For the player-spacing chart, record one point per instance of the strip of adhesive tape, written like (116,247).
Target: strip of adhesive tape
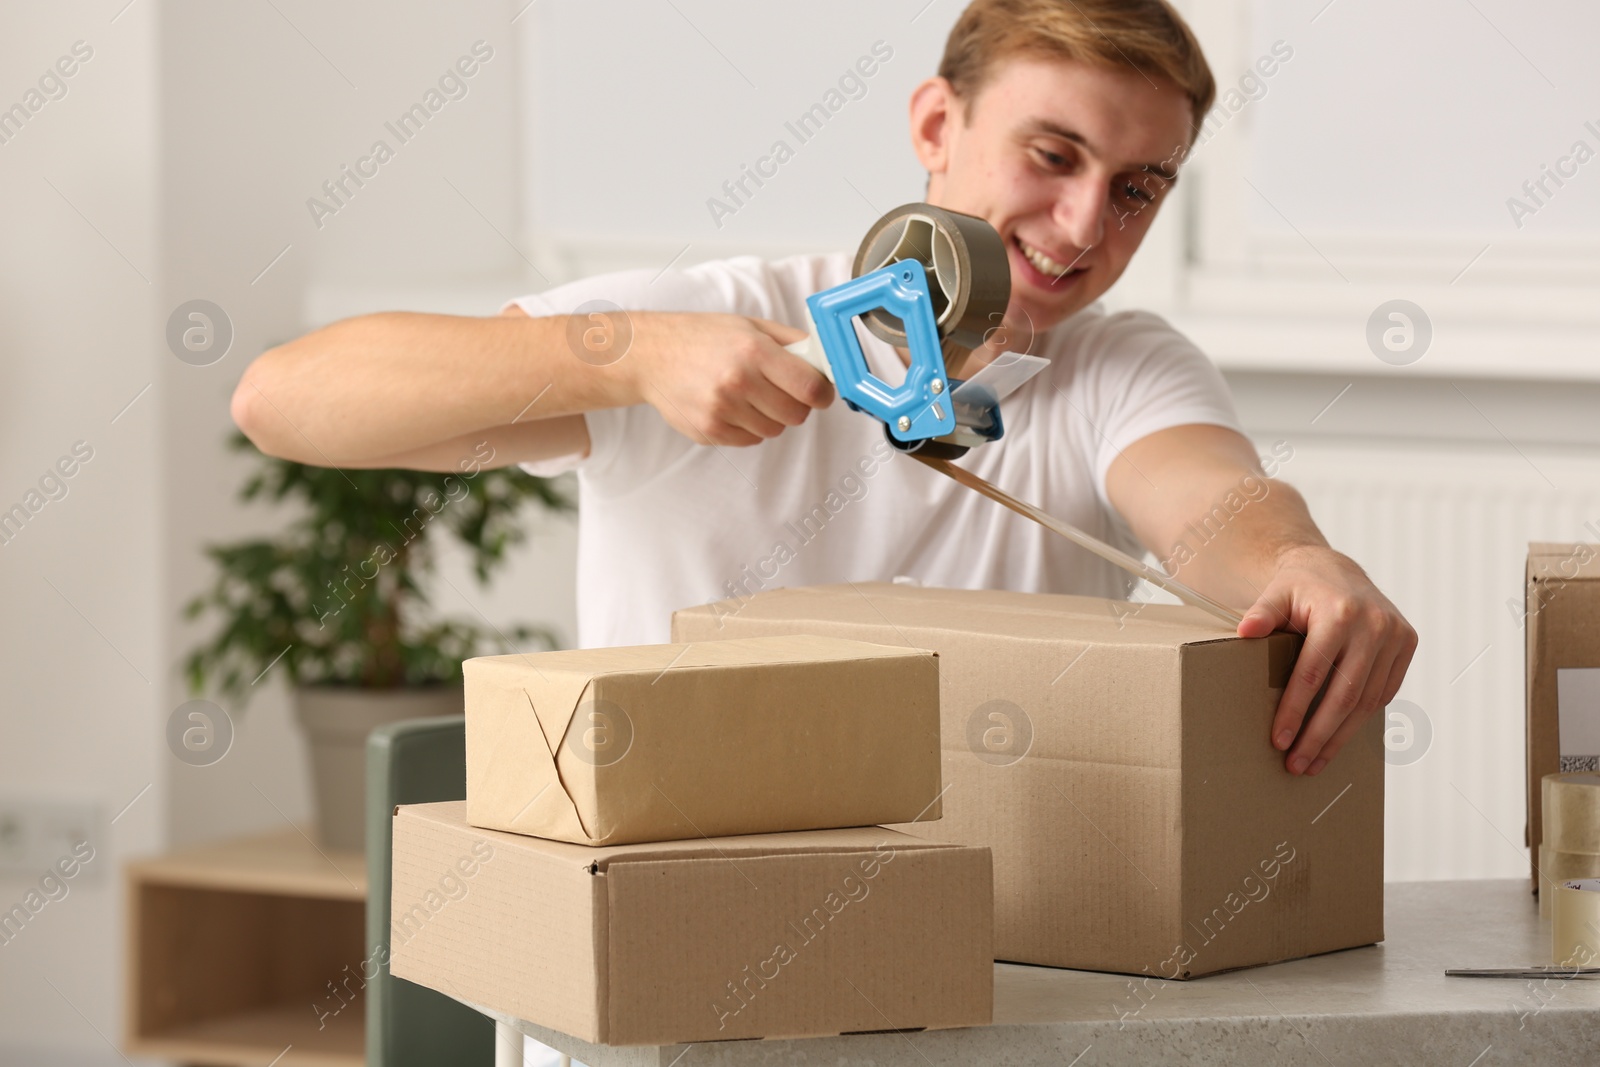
(1136,567)
(1557,866)
(966,262)
(1575,923)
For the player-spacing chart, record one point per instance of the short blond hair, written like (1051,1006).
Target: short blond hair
(1147,35)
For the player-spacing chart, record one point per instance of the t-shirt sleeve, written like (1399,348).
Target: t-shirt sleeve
(604,425)
(1145,376)
(631,444)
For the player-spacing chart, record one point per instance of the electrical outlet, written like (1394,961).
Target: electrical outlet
(34,834)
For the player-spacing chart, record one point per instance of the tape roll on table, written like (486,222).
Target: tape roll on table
(965,259)
(1575,925)
(1571,847)
(1557,866)
(1572,811)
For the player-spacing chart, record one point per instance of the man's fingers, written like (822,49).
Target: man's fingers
(1402,663)
(1341,736)
(772,400)
(1372,694)
(1388,671)
(1311,669)
(750,418)
(1371,700)
(1264,616)
(745,400)
(798,379)
(770,409)
(789,372)
(725,434)
(701,429)
(1352,667)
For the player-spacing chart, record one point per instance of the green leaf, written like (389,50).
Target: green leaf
(335,598)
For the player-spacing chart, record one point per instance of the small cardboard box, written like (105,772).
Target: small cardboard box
(778,935)
(1562,620)
(1115,758)
(658,742)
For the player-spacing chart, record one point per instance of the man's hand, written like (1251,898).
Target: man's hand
(723,379)
(1357,643)
(1198,497)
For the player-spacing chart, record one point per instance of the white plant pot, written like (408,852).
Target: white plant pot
(337,720)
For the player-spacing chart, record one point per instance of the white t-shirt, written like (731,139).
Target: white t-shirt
(665,523)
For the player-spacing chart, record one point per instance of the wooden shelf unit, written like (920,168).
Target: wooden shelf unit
(234,949)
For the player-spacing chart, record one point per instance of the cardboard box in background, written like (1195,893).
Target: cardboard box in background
(1115,758)
(660,742)
(1563,671)
(777,935)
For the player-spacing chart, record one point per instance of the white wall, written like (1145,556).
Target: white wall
(637,115)
(82,581)
(1424,117)
(190,143)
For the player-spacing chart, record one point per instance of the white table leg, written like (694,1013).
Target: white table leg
(507,1046)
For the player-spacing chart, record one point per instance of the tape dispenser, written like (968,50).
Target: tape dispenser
(934,283)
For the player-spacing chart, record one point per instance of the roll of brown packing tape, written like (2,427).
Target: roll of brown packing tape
(1572,811)
(1575,925)
(969,275)
(1557,866)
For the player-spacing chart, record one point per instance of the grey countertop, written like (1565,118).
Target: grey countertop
(1388,1004)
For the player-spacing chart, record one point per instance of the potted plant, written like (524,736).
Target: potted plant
(336,604)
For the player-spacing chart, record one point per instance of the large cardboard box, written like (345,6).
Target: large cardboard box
(776,935)
(658,742)
(1116,759)
(1562,622)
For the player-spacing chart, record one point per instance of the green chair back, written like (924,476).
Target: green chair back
(414,762)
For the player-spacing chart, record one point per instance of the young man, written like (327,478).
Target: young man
(711,463)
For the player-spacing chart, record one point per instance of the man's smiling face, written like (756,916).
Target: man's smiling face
(1068,161)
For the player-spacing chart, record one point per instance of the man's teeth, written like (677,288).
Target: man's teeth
(1042,262)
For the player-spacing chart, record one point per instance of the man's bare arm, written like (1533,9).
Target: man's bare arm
(400,389)
(365,391)
(492,446)
(1196,496)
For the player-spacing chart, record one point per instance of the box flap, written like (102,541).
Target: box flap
(1563,561)
(653,659)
